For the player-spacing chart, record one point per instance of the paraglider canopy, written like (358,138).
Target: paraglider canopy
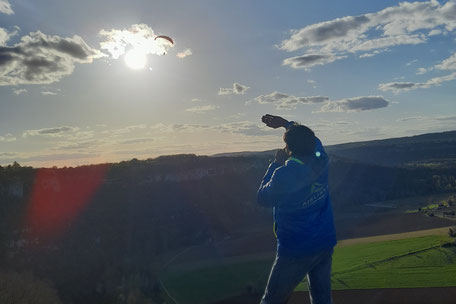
(166,38)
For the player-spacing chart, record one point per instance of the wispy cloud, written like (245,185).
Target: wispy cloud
(421,71)
(398,87)
(42,59)
(236,89)
(372,54)
(447,64)
(309,60)
(244,127)
(5,7)
(125,130)
(139,37)
(184,53)
(83,146)
(411,62)
(202,109)
(356,104)
(50,157)
(140,140)
(5,36)
(7,138)
(285,101)
(408,23)
(19,91)
(429,118)
(52,132)
(48,93)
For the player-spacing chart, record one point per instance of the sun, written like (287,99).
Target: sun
(136,59)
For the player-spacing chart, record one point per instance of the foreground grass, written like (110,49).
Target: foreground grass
(213,284)
(412,262)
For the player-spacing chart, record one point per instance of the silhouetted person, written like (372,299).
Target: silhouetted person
(296,186)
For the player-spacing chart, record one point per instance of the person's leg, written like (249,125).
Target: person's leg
(319,280)
(286,274)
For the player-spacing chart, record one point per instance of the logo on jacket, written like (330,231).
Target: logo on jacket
(317,192)
(316,187)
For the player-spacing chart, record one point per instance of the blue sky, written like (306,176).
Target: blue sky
(84,82)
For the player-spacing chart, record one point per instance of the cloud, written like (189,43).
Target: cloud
(136,141)
(421,71)
(309,60)
(448,118)
(372,54)
(48,93)
(447,64)
(196,100)
(435,32)
(52,132)
(184,53)
(8,154)
(356,104)
(19,91)
(5,36)
(7,138)
(42,59)
(326,32)
(125,130)
(47,157)
(84,146)
(285,101)
(236,89)
(5,7)
(202,109)
(397,87)
(244,127)
(139,37)
(241,127)
(408,23)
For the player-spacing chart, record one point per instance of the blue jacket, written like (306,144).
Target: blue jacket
(299,195)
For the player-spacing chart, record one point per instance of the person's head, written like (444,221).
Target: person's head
(299,140)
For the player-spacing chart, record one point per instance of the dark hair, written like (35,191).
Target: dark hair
(300,140)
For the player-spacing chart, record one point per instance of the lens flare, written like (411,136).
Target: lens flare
(58,197)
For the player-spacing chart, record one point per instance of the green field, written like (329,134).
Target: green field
(413,262)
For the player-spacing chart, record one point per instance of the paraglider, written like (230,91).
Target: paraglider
(169,39)
(166,38)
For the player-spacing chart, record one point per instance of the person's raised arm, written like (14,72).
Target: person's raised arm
(275,122)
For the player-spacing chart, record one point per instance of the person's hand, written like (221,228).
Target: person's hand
(273,121)
(281,156)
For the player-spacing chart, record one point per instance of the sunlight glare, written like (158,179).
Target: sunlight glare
(135,59)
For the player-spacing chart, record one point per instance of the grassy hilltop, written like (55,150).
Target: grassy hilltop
(412,262)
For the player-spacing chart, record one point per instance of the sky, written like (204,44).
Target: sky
(85,82)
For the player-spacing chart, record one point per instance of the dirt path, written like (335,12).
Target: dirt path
(395,236)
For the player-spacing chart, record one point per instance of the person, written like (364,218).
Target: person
(296,186)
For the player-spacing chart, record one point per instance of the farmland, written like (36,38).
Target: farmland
(406,263)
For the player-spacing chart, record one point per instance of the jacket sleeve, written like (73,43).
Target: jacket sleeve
(273,187)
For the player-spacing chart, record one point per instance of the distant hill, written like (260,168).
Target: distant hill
(419,150)
(413,150)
